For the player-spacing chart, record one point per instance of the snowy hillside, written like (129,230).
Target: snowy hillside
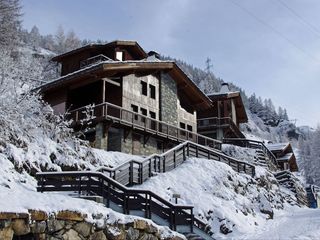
(231,203)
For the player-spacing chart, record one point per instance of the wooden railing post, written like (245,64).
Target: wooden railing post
(141,173)
(184,152)
(192,219)
(174,158)
(131,173)
(164,163)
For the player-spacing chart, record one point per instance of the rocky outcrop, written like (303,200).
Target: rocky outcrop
(68,225)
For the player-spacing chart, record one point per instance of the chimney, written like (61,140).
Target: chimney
(224,88)
(154,54)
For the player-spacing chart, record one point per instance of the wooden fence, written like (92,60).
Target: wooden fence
(116,194)
(242,142)
(137,172)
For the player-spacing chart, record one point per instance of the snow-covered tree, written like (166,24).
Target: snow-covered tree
(10,23)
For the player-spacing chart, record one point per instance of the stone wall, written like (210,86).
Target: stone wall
(68,225)
(168,100)
(138,148)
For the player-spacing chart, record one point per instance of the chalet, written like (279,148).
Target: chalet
(223,119)
(284,155)
(124,99)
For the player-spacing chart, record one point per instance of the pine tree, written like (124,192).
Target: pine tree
(10,23)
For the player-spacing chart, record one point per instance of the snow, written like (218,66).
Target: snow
(299,223)
(220,196)
(277,146)
(18,195)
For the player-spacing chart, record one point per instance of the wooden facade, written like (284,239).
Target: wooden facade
(141,104)
(223,119)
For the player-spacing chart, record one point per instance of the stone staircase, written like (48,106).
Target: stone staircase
(261,159)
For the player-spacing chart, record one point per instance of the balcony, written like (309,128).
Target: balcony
(214,123)
(91,114)
(94,60)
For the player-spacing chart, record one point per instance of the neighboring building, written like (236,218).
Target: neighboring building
(126,100)
(223,119)
(285,156)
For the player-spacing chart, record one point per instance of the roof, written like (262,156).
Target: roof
(109,68)
(278,146)
(240,109)
(136,47)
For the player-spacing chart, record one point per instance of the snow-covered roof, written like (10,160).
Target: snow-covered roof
(277,146)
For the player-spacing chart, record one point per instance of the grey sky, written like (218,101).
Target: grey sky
(281,62)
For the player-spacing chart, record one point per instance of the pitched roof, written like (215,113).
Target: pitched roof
(184,83)
(135,46)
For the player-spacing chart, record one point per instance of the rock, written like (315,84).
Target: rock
(69,215)
(98,236)
(113,233)
(140,224)
(38,215)
(5,223)
(55,225)
(83,228)
(38,227)
(6,233)
(132,234)
(20,227)
(71,235)
(224,229)
(7,216)
(147,236)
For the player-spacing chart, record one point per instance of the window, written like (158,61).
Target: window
(119,56)
(143,111)
(144,88)
(182,125)
(189,128)
(135,109)
(152,114)
(152,91)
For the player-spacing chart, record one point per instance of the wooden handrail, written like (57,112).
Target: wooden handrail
(243,142)
(111,190)
(173,157)
(153,125)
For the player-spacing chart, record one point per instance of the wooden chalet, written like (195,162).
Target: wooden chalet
(285,156)
(223,119)
(124,99)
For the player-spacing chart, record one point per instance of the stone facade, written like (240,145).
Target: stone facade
(68,225)
(168,100)
(101,139)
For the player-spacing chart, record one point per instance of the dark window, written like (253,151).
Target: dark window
(189,128)
(143,111)
(144,88)
(135,109)
(152,91)
(152,114)
(183,126)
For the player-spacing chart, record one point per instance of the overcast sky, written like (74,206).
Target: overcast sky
(267,47)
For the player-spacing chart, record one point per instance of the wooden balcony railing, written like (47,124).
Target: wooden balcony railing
(93,60)
(91,113)
(214,123)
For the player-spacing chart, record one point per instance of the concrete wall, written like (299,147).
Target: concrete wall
(132,93)
(187,118)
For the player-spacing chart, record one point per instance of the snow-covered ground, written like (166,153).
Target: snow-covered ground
(298,223)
